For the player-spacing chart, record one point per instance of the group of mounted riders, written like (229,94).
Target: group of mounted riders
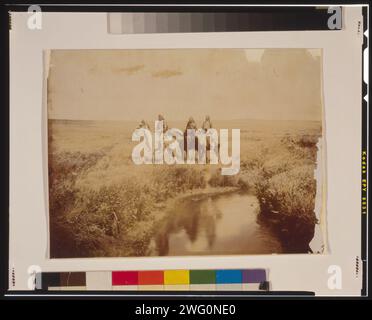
(191,125)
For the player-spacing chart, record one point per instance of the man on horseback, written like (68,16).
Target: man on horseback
(190,139)
(165,125)
(143,125)
(191,124)
(207,124)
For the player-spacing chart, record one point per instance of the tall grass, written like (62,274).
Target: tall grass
(116,218)
(109,220)
(286,190)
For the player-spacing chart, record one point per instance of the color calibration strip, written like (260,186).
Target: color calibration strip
(257,19)
(167,280)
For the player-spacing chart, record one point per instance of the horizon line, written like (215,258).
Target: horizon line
(180,120)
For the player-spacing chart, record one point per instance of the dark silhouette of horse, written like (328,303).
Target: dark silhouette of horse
(188,147)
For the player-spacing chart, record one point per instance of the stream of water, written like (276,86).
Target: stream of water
(222,224)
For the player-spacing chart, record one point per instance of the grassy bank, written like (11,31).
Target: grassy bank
(284,183)
(112,219)
(103,205)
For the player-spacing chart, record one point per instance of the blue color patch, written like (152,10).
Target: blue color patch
(228,276)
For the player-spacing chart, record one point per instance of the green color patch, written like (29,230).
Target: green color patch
(202,276)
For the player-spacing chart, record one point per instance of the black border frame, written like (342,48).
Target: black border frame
(148,6)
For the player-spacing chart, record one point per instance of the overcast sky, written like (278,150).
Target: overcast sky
(279,84)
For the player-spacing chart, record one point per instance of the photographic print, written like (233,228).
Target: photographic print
(184,152)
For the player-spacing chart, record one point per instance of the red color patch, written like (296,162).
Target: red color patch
(122,278)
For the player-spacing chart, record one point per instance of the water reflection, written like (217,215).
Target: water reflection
(208,225)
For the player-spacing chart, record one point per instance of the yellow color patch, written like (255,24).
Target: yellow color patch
(176,277)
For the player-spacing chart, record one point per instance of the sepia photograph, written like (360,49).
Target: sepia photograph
(184,152)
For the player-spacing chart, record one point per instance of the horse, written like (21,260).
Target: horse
(187,147)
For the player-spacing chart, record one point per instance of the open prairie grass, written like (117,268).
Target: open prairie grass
(101,204)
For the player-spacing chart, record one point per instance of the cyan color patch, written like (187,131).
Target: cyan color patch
(228,276)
